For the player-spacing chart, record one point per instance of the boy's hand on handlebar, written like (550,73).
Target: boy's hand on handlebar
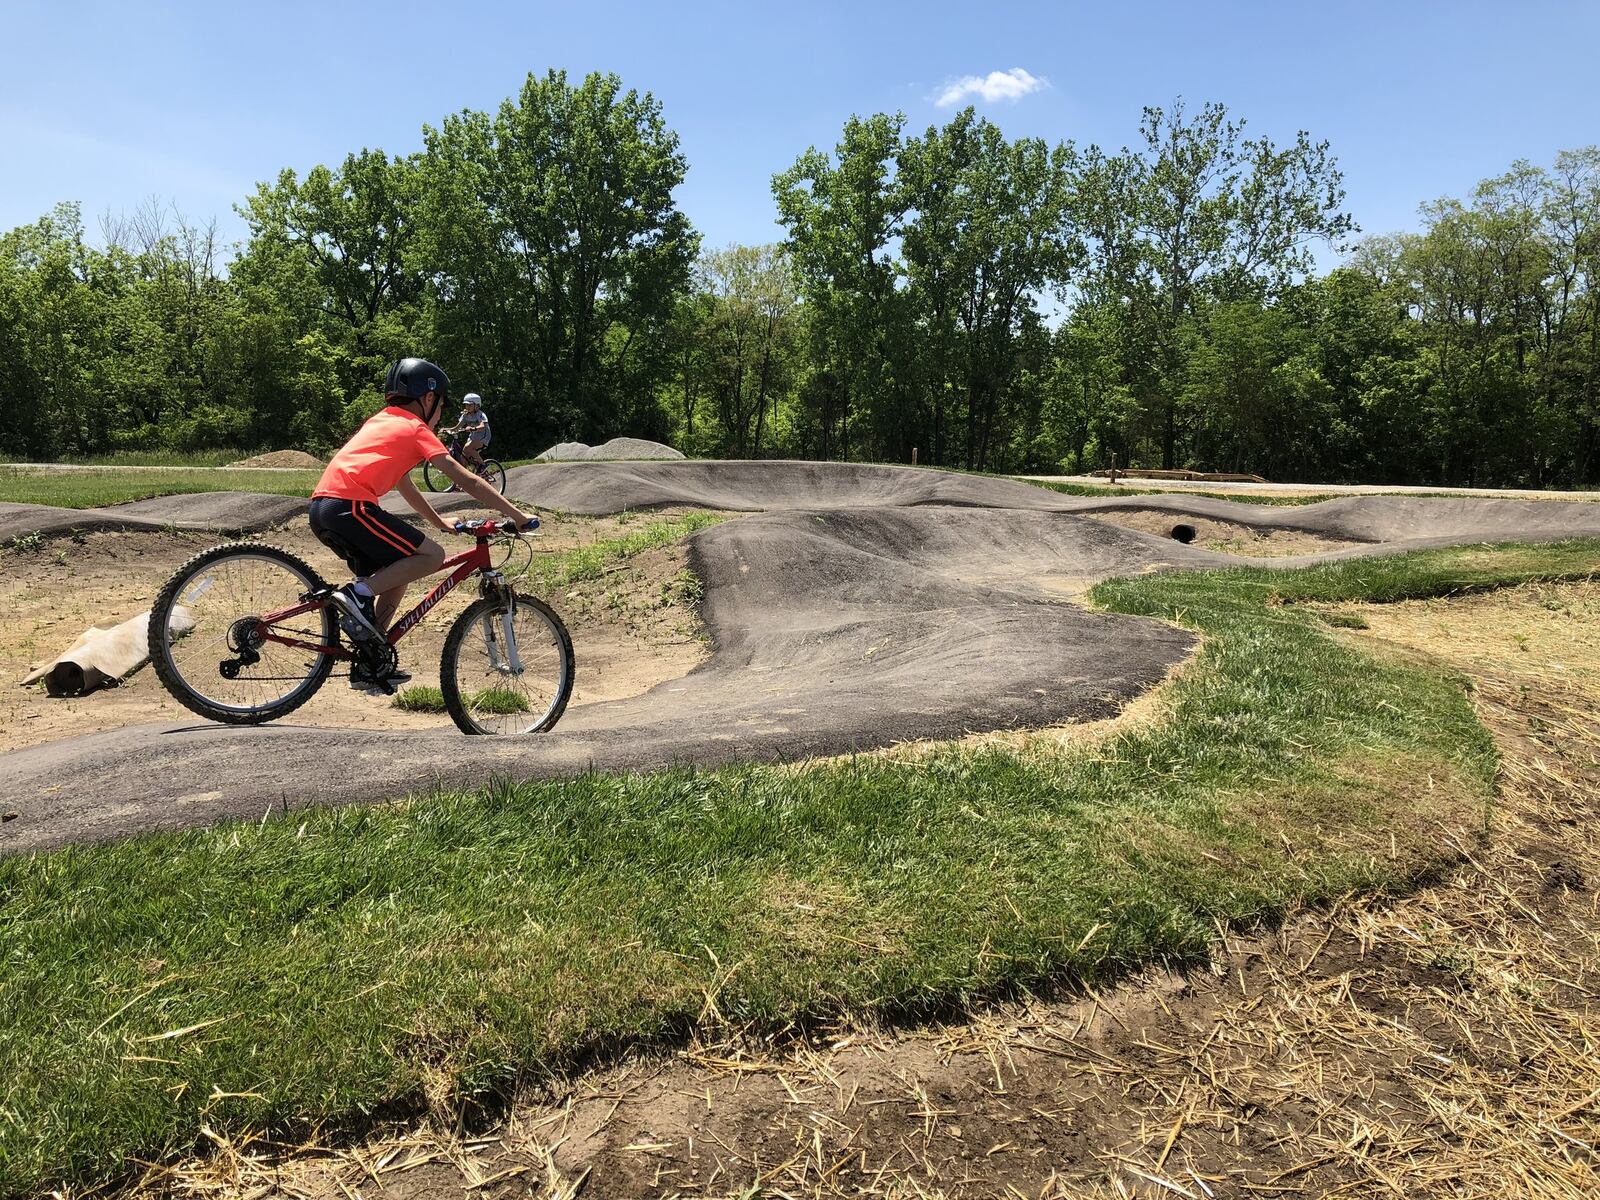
(527,524)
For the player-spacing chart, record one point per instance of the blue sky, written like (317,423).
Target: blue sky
(111,103)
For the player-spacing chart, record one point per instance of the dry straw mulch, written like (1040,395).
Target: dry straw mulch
(1446,1045)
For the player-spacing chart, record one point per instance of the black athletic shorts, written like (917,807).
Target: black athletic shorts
(361,533)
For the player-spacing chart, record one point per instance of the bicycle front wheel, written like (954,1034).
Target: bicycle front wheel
(209,643)
(506,672)
(436,481)
(495,474)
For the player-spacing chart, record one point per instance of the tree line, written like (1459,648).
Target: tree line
(950,295)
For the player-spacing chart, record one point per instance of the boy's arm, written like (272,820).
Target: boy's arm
(477,487)
(412,495)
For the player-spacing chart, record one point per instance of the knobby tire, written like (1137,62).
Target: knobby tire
(449,685)
(160,642)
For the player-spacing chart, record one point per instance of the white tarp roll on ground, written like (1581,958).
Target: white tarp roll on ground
(103,654)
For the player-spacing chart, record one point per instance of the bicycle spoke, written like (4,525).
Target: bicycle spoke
(511,671)
(213,610)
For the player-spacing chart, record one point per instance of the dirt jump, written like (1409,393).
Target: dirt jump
(854,608)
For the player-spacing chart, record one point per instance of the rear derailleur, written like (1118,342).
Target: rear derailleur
(245,639)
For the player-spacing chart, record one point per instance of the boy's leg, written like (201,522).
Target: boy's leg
(389,585)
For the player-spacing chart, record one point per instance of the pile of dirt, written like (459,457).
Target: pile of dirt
(282,458)
(215,512)
(617,448)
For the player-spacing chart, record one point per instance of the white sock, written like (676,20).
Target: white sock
(361,588)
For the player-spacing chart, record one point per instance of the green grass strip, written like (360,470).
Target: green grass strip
(424,698)
(582,563)
(341,961)
(1089,489)
(99,487)
(218,457)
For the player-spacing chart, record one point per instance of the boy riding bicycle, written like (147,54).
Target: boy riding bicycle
(386,553)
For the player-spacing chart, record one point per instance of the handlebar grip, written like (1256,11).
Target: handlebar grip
(533,523)
(460,526)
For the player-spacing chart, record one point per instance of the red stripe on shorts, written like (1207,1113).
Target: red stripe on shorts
(378,530)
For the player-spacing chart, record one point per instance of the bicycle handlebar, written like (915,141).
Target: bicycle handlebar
(496,528)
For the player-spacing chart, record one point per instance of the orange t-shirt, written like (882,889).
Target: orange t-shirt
(383,450)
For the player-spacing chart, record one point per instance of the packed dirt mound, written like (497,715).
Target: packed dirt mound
(1393,521)
(283,458)
(1409,522)
(832,632)
(754,486)
(864,606)
(1227,537)
(616,449)
(212,512)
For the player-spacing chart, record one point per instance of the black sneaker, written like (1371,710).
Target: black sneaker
(357,616)
(362,679)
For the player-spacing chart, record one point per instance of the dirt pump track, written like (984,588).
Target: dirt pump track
(860,606)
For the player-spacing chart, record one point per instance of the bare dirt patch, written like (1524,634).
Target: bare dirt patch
(633,628)
(1441,1045)
(1226,537)
(282,458)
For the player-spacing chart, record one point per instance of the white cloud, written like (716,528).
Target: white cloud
(996,85)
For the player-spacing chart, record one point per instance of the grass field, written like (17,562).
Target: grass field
(167,458)
(339,962)
(112,485)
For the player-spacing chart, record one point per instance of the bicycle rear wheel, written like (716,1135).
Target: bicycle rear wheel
(506,672)
(206,636)
(495,474)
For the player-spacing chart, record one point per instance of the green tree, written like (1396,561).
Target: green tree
(56,297)
(559,254)
(1200,213)
(844,215)
(988,228)
(750,329)
(353,232)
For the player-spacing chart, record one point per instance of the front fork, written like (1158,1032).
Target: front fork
(499,634)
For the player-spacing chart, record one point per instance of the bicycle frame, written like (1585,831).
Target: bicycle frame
(461,567)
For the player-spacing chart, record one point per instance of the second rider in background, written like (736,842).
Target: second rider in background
(473,422)
(385,553)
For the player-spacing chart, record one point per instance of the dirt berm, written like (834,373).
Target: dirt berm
(865,606)
(218,512)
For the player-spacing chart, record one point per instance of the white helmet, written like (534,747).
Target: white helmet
(472,400)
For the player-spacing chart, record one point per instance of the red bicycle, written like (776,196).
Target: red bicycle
(244,634)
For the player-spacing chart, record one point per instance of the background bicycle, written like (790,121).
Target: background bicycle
(491,469)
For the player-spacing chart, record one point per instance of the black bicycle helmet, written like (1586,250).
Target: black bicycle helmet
(414,378)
